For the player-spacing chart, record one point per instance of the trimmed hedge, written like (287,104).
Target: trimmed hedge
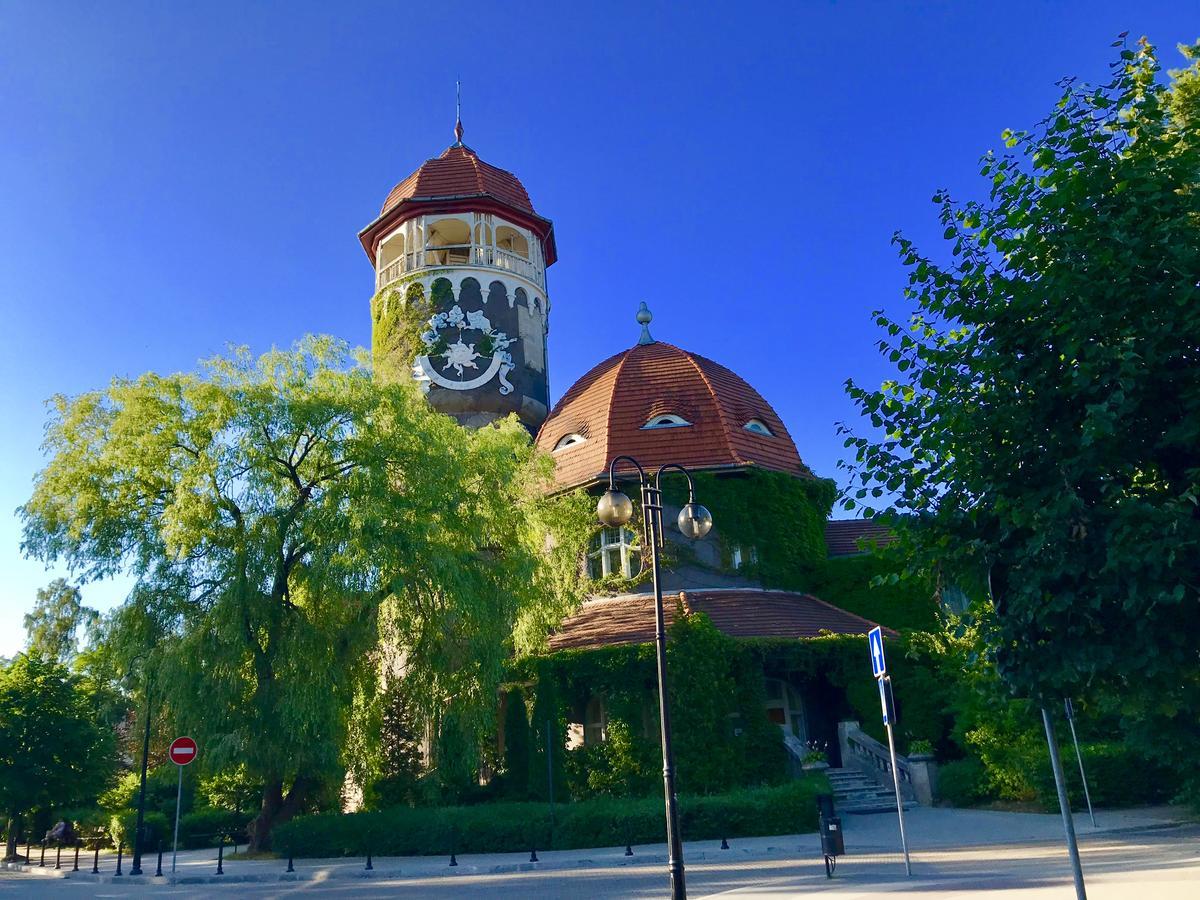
(1117,776)
(963,782)
(510,827)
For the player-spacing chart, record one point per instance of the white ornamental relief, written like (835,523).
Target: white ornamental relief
(463,352)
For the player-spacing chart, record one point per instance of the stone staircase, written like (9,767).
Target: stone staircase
(856,792)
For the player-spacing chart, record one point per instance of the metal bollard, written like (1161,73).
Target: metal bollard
(368,867)
(533,855)
(96,860)
(724,844)
(43,862)
(290,868)
(629,850)
(158,871)
(58,856)
(120,848)
(221,856)
(453,861)
(75,868)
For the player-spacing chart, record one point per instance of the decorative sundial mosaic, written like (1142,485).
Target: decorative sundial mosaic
(463,352)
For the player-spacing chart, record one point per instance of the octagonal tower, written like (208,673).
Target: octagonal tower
(459,244)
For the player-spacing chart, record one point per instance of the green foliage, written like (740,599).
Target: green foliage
(1042,430)
(399,313)
(156,826)
(161,788)
(502,827)
(1117,776)
(233,789)
(401,762)
(53,625)
(203,827)
(516,745)
(282,517)
(781,516)
(54,749)
(874,586)
(963,782)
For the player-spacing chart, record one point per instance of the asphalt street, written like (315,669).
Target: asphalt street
(1149,865)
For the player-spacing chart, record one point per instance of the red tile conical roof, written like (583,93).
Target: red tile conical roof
(459,172)
(610,406)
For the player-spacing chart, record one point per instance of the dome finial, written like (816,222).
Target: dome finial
(458,129)
(644,318)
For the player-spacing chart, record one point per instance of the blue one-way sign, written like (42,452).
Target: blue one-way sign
(875,640)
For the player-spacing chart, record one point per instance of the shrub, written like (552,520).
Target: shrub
(201,827)
(963,782)
(501,827)
(122,826)
(1117,776)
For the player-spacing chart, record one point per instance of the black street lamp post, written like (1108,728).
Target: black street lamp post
(615,510)
(136,868)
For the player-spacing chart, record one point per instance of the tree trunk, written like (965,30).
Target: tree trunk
(10,848)
(276,809)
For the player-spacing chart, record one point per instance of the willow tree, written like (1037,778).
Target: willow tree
(1042,434)
(276,513)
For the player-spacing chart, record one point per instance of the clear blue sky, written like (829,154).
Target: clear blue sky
(174,177)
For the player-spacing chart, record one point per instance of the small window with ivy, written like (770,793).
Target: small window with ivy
(741,556)
(615,551)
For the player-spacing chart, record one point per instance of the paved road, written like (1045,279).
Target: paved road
(1151,865)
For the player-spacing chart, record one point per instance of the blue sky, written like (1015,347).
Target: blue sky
(175,177)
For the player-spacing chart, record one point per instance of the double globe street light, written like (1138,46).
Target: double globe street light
(615,509)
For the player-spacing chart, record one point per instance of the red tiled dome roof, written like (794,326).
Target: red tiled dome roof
(459,172)
(739,613)
(611,404)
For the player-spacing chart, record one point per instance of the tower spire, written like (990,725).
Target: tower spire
(644,317)
(458,129)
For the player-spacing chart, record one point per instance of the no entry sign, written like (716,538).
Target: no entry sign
(183,751)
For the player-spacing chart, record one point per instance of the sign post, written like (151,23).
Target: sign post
(181,752)
(879,670)
(1070,708)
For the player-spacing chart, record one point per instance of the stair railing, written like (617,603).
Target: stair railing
(863,752)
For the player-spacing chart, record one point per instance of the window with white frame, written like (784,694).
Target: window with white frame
(615,551)
(667,420)
(758,426)
(569,440)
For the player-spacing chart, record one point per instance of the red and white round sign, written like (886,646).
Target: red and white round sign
(183,751)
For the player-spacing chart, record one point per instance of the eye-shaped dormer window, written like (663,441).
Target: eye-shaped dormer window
(758,426)
(669,420)
(569,440)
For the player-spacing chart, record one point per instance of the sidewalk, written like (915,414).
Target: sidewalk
(867,835)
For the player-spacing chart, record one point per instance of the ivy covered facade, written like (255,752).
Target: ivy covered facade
(763,620)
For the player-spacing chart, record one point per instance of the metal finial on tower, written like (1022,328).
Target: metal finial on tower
(644,318)
(458,129)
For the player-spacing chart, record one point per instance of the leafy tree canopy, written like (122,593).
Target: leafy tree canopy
(54,748)
(283,516)
(53,625)
(1043,429)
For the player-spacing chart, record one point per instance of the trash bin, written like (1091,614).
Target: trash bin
(831,836)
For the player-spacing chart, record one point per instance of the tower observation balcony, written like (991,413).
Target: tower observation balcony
(468,239)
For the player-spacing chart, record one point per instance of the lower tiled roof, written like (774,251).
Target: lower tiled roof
(740,612)
(846,537)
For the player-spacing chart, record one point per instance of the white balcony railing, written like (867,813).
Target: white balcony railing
(459,255)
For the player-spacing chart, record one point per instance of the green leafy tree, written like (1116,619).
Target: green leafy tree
(53,625)
(1043,430)
(282,516)
(54,749)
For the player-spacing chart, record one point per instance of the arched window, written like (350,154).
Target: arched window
(615,551)
(758,426)
(512,241)
(669,420)
(447,242)
(569,440)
